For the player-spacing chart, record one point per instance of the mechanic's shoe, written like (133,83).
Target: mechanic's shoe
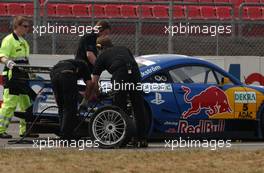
(31,135)
(5,135)
(142,143)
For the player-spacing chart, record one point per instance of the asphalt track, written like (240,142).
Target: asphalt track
(30,143)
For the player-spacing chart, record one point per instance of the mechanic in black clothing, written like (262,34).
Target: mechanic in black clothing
(64,76)
(120,62)
(87,50)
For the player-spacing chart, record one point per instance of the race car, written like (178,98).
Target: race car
(184,97)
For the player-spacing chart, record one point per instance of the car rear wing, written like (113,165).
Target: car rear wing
(33,69)
(36,73)
(234,69)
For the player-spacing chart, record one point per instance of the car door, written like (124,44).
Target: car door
(158,93)
(199,92)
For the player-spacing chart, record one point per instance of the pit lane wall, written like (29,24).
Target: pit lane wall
(251,67)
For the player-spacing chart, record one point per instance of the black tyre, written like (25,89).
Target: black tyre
(260,120)
(261,124)
(110,127)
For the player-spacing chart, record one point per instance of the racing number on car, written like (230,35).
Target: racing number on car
(245,113)
(245,107)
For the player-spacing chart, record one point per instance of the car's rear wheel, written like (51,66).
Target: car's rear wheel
(111,127)
(262,125)
(260,117)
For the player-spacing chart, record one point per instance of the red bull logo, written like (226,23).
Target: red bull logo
(206,126)
(213,99)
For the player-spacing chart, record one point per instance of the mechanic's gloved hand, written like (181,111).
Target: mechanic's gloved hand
(10,64)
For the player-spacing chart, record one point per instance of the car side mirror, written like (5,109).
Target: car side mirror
(225,81)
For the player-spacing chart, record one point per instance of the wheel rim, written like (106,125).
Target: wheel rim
(109,127)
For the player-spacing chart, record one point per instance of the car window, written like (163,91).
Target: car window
(220,78)
(195,74)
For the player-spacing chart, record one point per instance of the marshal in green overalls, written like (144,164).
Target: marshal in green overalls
(16,49)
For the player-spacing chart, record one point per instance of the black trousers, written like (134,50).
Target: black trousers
(136,97)
(18,84)
(66,94)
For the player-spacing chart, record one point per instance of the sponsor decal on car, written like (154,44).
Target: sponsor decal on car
(156,87)
(213,99)
(160,78)
(245,114)
(171,123)
(245,97)
(48,98)
(171,130)
(204,126)
(150,70)
(158,99)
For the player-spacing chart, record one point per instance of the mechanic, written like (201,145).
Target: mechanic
(87,50)
(64,76)
(15,50)
(120,62)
